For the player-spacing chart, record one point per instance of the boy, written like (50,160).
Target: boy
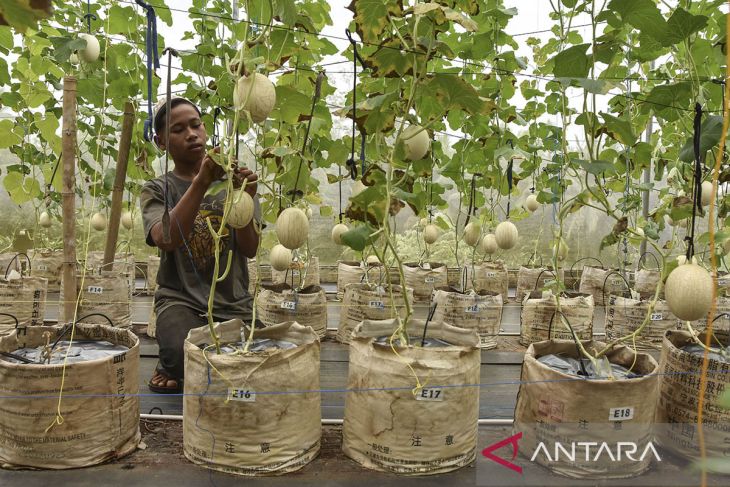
(186,264)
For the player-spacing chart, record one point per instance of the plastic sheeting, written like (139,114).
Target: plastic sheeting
(258,345)
(80,352)
(571,366)
(415,340)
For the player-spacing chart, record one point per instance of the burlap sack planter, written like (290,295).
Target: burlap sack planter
(480,311)
(601,283)
(24,299)
(279,303)
(100,405)
(11,261)
(47,264)
(488,276)
(352,272)
(153,267)
(625,315)
(679,393)
(646,281)
(391,427)
(108,293)
(531,279)
(122,264)
(556,407)
(369,302)
(424,278)
(299,274)
(257,413)
(540,321)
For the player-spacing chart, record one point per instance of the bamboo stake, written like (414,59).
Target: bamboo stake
(69,196)
(118,190)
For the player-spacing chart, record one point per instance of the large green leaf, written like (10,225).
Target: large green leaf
(455,94)
(644,15)
(572,62)
(619,129)
(8,137)
(21,15)
(710,133)
(358,237)
(681,25)
(371,17)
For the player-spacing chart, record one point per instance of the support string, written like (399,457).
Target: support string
(153,62)
(697,183)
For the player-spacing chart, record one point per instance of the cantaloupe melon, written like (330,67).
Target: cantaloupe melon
(292,228)
(255,94)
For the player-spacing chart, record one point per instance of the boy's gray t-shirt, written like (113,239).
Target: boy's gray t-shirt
(186,273)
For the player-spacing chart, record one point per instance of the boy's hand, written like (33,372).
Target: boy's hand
(209,170)
(241,174)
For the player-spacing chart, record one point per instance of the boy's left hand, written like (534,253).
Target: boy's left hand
(241,174)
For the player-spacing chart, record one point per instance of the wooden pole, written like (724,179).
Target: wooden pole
(68,154)
(118,190)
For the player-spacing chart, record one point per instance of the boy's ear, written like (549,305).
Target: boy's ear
(158,142)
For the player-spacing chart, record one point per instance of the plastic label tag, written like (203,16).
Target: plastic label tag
(95,290)
(430,279)
(430,394)
(621,414)
(290,305)
(474,308)
(656,317)
(491,274)
(42,267)
(242,395)
(377,304)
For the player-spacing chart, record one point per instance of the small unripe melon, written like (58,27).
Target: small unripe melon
(489,244)
(337,232)
(681,223)
(280,257)
(255,94)
(472,233)
(372,260)
(531,203)
(98,221)
(416,142)
(430,233)
(423,222)
(91,52)
(241,212)
(292,228)
(127,220)
(560,250)
(73,58)
(689,292)
(640,231)
(706,193)
(506,235)
(44,220)
(309,213)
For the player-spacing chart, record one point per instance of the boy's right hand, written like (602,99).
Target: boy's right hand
(209,171)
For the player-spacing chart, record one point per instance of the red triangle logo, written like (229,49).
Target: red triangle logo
(512,440)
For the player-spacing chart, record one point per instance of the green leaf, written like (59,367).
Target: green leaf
(216,188)
(619,129)
(8,138)
(681,25)
(454,93)
(668,101)
(572,62)
(371,17)
(21,15)
(644,15)
(710,133)
(358,237)
(597,167)
(21,189)
(291,104)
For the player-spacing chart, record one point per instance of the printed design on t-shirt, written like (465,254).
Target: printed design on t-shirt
(202,246)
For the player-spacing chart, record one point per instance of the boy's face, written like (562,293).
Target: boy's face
(187,135)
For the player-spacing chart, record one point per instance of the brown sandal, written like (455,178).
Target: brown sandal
(160,389)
